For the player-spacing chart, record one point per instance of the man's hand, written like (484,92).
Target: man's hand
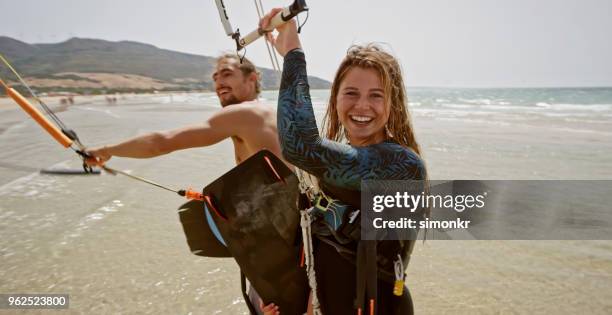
(270,309)
(99,156)
(287,38)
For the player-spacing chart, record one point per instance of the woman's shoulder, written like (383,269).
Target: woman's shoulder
(407,163)
(393,149)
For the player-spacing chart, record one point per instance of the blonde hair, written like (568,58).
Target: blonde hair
(399,125)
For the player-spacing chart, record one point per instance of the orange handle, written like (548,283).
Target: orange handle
(40,119)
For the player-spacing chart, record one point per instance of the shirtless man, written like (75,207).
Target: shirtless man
(250,125)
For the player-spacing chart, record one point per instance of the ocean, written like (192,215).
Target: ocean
(116,245)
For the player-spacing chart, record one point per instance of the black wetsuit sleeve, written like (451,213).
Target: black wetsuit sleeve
(335,163)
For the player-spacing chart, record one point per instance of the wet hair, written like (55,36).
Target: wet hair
(246,66)
(372,56)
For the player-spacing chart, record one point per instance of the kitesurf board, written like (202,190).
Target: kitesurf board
(254,209)
(202,233)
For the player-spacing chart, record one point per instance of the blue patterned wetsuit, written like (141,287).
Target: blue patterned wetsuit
(341,166)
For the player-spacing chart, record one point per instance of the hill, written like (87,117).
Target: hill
(94,66)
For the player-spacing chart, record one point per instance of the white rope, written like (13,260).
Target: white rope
(271,50)
(307,184)
(305,223)
(278,67)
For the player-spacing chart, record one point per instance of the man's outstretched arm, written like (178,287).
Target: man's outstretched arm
(231,121)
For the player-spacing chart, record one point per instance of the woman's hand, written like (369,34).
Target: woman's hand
(98,156)
(287,39)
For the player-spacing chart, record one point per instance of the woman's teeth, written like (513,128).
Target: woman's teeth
(361,118)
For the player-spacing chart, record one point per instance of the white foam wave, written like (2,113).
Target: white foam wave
(506,107)
(478,121)
(10,186)
(587,131)
(543,105)
(34,185)
(105,111)
(477,101)
(576,107)
(90,219)
(16,126)
(588,121)
(458,106)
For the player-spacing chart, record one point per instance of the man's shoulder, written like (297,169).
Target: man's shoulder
(251,107)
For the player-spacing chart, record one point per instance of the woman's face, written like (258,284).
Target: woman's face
(361,106)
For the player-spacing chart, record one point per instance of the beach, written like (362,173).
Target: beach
(116,245)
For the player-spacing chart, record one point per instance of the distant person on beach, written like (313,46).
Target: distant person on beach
(111,100)
(250,124)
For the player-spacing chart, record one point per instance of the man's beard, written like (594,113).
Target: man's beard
(230,101)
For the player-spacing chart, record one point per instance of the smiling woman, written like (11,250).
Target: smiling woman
(368,102)
(360,106)
(367,108)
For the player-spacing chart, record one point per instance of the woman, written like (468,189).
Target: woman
(368,109)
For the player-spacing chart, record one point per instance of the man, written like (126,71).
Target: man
(250,124)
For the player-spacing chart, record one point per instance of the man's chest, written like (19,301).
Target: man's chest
(241,150)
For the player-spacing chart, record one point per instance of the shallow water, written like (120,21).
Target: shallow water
(116,245)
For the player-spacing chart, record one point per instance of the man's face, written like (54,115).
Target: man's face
(231,85)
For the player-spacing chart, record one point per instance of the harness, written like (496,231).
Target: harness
(338,224)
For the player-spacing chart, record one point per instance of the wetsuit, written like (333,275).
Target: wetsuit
(338,167)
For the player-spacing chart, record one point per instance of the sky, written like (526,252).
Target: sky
(445,43)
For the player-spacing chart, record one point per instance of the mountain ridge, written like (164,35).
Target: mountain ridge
(76,64)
